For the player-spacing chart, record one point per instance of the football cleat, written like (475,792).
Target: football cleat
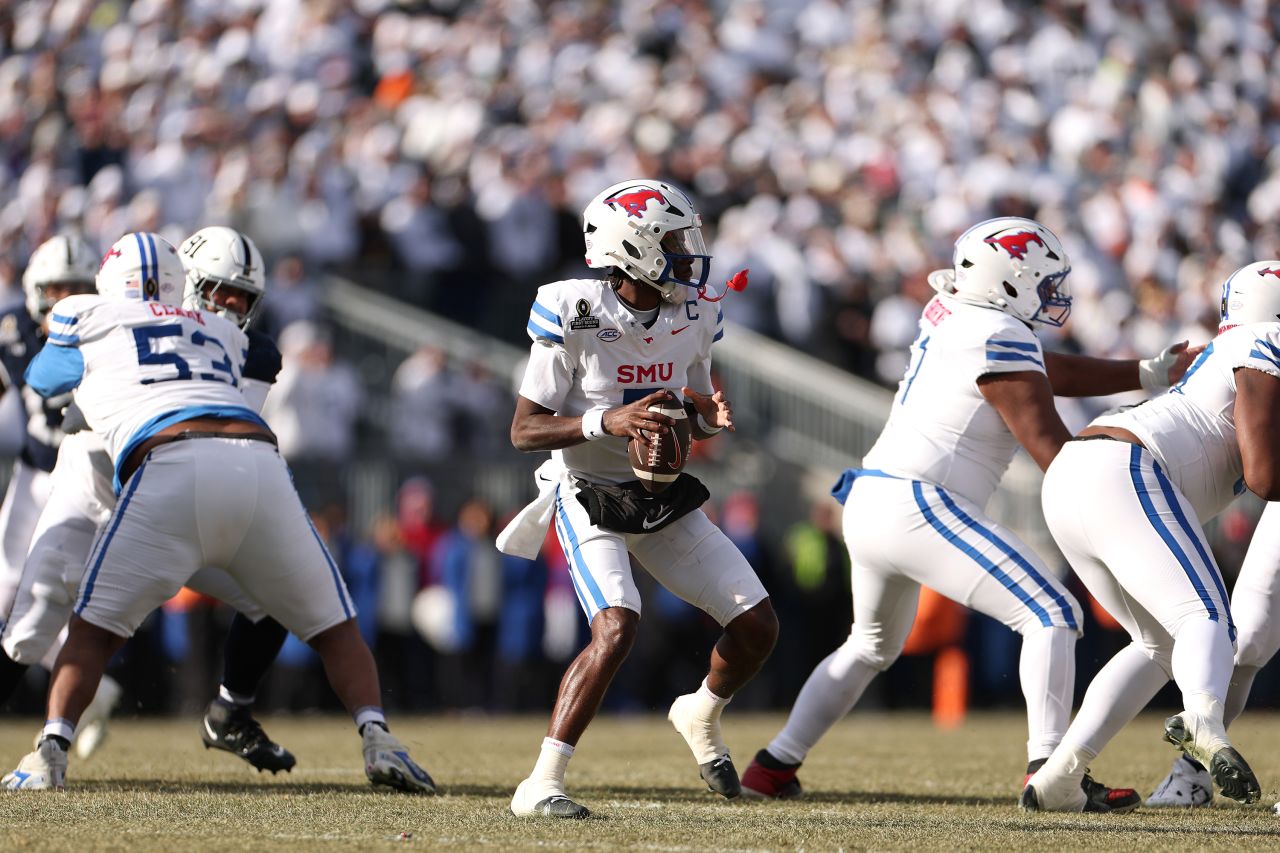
(761,782)
(1187,786)
(1104,800)
(92,730)
(42,770)
(1205,740)
(234,730)
(387,762)
(715,767)
(531,800)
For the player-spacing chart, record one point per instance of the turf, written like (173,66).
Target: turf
(876,782)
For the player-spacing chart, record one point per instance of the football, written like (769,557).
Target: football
(658,463)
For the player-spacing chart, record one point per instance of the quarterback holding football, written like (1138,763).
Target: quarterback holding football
(600,393)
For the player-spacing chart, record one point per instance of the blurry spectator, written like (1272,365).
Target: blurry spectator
(404,662)
(313,409)
(421,234)
(471,572)
(419,529)
(424,403)
(291,294)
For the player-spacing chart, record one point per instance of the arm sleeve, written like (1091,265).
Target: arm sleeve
(548,376)
(262,360)
(544,320)
(55,370)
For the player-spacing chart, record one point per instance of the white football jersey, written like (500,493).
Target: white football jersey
(941,429)
(1191,429)
(138,367)
(590,352)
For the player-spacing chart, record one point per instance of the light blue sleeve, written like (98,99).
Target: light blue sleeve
(55,370)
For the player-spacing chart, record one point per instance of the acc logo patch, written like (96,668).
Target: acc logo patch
(608,335)
(584,320)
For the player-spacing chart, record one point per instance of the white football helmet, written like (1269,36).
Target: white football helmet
(142,266)
(66,260)
(1251,294)
(650,231)
(1013,264)
(219,257)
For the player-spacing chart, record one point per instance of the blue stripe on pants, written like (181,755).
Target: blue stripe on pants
(568,557)
(1012,553)
(1190,531)
(333,570)
(971,552)
(577,560)
(106,540)
(1171,542)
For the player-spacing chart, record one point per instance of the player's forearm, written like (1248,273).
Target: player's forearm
(546,432)
(1084,376)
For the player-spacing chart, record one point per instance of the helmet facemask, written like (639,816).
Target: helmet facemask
(209,287)
(688,262)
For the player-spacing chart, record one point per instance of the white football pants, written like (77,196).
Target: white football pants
(902,534)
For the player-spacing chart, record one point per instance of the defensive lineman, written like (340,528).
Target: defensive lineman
(202,485)
(601,355)
(61,266)
(224,275)
(1154,474)
(977,385)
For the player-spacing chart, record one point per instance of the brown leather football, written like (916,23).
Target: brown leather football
(658,463)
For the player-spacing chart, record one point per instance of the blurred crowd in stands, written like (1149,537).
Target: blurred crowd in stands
(441,152)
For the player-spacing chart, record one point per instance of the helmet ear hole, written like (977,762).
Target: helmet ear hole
(632,250)
(1011,290)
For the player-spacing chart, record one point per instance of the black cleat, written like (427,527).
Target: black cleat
(721,777)
(1104,800)
(237,732)
(1029,801)
(1234,777)
(562,807)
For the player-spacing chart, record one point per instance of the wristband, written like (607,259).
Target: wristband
(706,427)
(593,424)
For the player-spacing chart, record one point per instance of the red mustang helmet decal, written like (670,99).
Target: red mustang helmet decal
(635,201)
(113,252)
(1269,271)
(1016,244)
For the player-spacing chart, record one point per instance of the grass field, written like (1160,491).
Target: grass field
(876,782)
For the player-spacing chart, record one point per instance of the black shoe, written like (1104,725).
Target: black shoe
(1234,777)
(721,777)
(1108,800)
(237,732)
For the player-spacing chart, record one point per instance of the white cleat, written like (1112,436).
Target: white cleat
(534,800)
(387,762)
(1184,787)
(703,735)
(42,770)
(92,730)
(1204,739)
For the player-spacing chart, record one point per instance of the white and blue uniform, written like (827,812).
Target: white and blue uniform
(80,501)
(138,367)
(20,340)
(914,515)
(590,352)
(1129,519)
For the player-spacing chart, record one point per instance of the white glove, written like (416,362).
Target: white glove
(1153,373)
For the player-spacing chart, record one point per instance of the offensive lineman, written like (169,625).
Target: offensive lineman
(978,385)
(224,275)
(600,357)
(202,484)
(1155,473)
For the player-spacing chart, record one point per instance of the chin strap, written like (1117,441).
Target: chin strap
(738,282)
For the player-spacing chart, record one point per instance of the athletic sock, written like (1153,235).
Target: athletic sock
(1047,670)
(11,673)
(1203,660)
(248,653)
(769,761)
(553,760)
(833,688)
(1121,689)
(370,715)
